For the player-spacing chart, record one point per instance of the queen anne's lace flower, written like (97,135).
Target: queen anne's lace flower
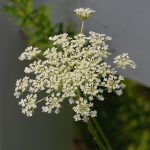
(29,53)
(123,61)
(83,110)
(84,13)
(28,104)
(21,86)
(74,69)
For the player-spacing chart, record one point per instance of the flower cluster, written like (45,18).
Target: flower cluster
(74,69)
(28,104)
(84,13)
(29,53)
(123,61)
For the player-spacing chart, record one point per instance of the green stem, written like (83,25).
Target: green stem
(82,26)
(96,138)
(102,134)
(93,132)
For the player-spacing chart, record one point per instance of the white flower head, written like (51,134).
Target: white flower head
(29,53)
(84,13)
(123,61)
(28,104)
(73,69)
(83,110)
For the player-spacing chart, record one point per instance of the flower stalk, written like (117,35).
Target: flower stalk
(98,135)
(82,26)
(95,136)
(98,127)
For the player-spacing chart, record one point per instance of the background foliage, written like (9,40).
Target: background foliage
(35,22)
(126,119)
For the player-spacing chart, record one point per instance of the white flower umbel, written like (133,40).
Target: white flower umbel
(28,104)
(84,13)
(83,110)
(74,69)
(123,61)
(29,53)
